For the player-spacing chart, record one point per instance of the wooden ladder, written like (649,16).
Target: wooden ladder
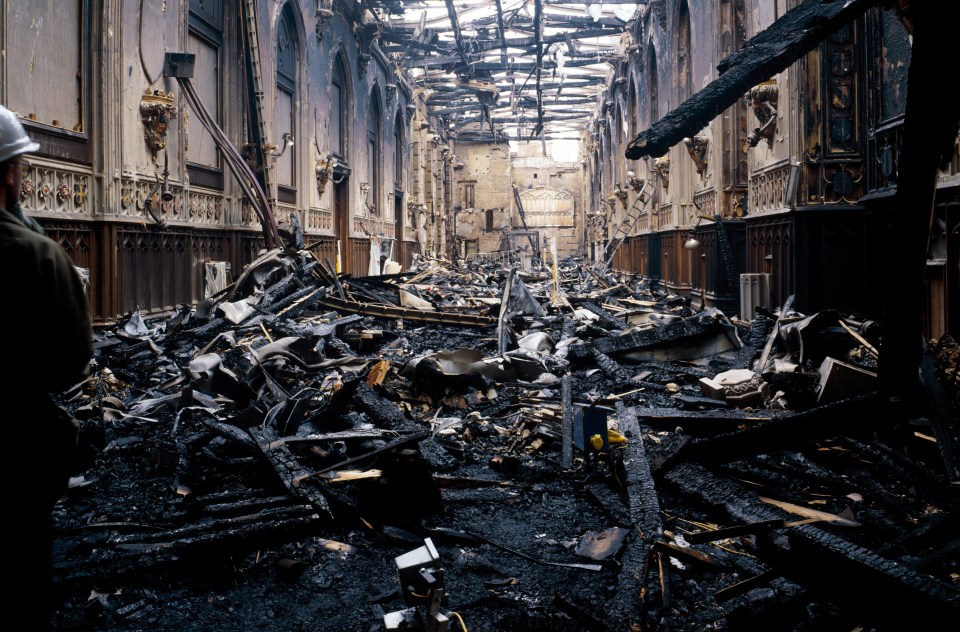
(636,210)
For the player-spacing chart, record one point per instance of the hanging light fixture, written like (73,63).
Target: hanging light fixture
(692,243)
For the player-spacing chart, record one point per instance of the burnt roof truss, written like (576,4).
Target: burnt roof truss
(508,69)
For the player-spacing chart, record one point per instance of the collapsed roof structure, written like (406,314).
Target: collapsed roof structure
(508,70)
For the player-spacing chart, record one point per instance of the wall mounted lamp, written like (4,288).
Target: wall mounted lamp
(287,139)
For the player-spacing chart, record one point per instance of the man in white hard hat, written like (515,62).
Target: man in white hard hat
(48,347)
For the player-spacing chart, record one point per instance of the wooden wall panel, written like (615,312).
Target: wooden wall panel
(135,267)
(357,261)
(830,263)
(772,237)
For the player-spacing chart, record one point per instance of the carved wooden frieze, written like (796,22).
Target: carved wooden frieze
(548,207)
(203,208)
(49,190)
(318,221)
(768,189)
(248,215)
(706,202)
(834,182)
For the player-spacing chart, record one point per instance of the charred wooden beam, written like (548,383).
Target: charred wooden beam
(646,527)
(826,563)
(293,475)
(610,367)
(708,423)
(109,565)
(567,432)
(610,502)
(857,413)
(642,339)
(412,315)
(606,318)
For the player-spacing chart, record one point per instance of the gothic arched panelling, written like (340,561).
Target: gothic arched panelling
(545,206)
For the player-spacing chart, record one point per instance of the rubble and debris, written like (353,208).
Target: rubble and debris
(267,459)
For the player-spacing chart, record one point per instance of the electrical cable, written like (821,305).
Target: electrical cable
(460,619)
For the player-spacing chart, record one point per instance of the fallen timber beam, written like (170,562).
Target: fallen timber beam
(651,337)
(110,565)
(294,477)
(712,422)
(826,563)
(412,315)
(645,525)
(856,413)
(376,406)
(566,458)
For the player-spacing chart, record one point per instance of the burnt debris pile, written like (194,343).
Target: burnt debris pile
(475,447)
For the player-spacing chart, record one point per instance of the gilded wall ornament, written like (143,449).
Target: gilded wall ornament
(156,110)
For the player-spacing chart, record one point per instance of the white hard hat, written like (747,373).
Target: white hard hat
(13,138)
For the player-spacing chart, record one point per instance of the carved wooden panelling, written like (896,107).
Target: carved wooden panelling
(643,224)
(768,189)
(840,73)
(547,207)
(831,182)
(204,208)
(664,216)
(48,190)
(318,221)
(706,203)
(772,238)
(248,216)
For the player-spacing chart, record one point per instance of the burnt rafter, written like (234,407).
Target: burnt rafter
(506,62)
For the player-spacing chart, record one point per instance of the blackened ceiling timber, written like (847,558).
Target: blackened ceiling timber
(508,69)
(771,51)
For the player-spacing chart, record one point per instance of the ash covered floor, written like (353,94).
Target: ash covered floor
(595,456)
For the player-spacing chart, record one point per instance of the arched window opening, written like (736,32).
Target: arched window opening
(684,63)
(373,155)
(654,89)
(285,115)
(205,41)
(338,97)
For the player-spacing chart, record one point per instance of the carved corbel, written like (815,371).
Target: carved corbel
(156,110)
(391,90)
(366,34)
(661,167)
(324,15)
(697,148)
(621,194)
(762,99)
